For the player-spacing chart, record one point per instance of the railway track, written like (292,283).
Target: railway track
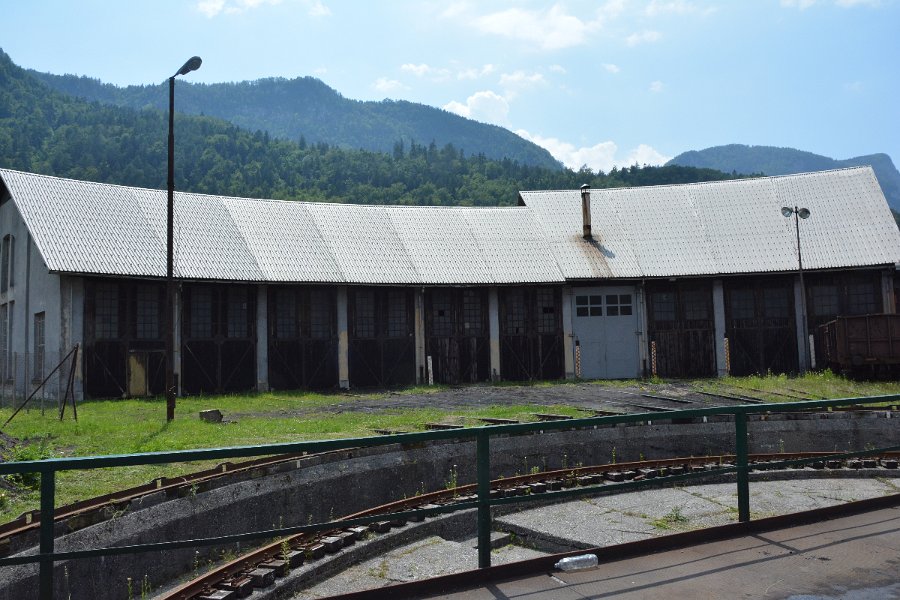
(264,566)
(94,510)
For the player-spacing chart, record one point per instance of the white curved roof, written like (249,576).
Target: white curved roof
(722,227)
(727,227)
(96,228)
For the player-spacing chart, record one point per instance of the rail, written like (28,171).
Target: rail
(47,469)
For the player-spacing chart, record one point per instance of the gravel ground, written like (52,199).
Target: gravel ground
(613,397)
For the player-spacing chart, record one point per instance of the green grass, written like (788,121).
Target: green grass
(129,426)
(783,388)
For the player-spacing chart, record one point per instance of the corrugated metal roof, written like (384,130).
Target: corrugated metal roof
(725,227)
(83,227)
(713,228)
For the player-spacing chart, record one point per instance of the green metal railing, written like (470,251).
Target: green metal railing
(481,435)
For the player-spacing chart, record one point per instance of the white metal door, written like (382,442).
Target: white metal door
(606,327)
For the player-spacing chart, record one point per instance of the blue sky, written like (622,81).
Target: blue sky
(602,83)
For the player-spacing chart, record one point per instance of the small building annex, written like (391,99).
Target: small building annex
(288,295)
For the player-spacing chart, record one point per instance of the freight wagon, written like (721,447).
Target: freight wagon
(865,345)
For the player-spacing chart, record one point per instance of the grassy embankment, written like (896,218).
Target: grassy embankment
(128,426)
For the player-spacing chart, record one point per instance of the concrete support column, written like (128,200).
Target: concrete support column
(262,338)
(800,312)
(641,333)
(494,329)
(719,326)
(71,326)
(888,303)
(419,325)
(343,339)
(568,334)
(179,303)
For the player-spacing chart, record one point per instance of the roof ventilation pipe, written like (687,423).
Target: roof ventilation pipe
(586,210)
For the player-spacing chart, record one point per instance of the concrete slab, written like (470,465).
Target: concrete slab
(831,560)
(430,557)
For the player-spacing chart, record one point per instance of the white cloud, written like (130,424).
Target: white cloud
(611,68)
(852,3)
(801,4)
(475,73)
(854,87)
(521,80)
(599,157)
(656,87)
(213,8)
(558,69)
(417,70)
(485,106)
(388,86)
(315,8)
(455,9)
(320,70)
(677,7)
(646,155)
(550,29)
(644,37)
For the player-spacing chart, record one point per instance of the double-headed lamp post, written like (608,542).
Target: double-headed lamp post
(800,213)
(191,65)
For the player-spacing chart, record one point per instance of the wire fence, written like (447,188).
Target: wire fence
(26,374)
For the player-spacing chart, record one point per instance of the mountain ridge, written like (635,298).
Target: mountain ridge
(774,160)
(307,108)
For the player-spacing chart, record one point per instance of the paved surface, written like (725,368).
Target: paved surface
(854,558)
(603,521)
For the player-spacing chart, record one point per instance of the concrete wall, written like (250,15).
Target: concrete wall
(36,290)
(316,488)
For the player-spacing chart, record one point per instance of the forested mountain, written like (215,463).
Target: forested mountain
(307,108)
(44,131)
(784,161)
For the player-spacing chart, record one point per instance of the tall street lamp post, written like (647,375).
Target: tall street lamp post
(191,65)
(800,213)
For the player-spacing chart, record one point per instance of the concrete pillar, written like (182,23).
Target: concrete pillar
(494,329)
(888,303)
(641,333)
(719,326)
(568,334)
(262,338)
(419,326)
(179,305)
(800,313)
(343,339)
(71,326)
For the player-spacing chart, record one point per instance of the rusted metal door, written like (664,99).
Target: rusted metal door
(382,337)
(124,349)
(531,336)
(302,338)
(456,334)
(761,326)
(218,338)
(682,326)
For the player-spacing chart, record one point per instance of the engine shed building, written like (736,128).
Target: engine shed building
(681,280)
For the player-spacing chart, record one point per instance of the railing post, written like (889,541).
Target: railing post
(483,474)
(743,468)
(48,499)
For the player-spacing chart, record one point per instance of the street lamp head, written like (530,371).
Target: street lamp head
(192,64)
(804,213)
(787,211)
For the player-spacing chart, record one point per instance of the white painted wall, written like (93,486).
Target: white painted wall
(36,290)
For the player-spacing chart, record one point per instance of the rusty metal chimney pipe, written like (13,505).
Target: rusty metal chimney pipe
(586,210)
